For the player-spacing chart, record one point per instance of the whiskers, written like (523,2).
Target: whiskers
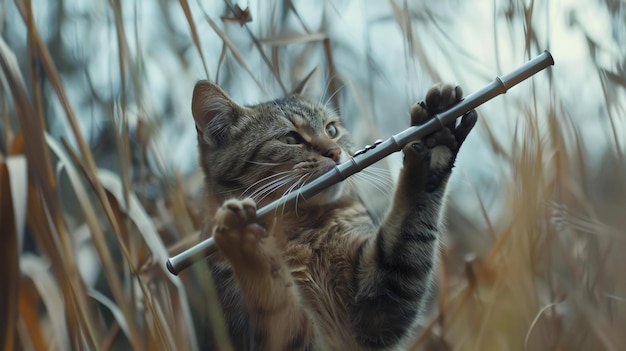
(262,188)
(296,185)
(378,178)
(328,99)
(282,185)
(269,164)
(291,180)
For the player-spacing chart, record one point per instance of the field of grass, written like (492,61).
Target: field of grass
(98,184)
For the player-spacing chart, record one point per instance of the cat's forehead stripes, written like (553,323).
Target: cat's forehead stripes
(298,120)
(302,113)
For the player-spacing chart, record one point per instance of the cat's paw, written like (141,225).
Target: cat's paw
(439,98)
(237,232)
(439,149)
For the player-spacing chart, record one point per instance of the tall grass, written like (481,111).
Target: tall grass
(94,198)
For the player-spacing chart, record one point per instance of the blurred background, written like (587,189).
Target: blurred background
(100,184)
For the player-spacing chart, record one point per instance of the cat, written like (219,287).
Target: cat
(321,275)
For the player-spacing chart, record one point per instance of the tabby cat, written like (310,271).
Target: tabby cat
(321,275)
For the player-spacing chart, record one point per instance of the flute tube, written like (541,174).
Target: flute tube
(373,154)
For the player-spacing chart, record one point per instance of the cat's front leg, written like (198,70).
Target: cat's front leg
(396,268)
(278,320)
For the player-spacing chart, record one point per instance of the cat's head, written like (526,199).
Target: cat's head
(266,150)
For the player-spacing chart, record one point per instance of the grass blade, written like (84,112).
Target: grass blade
(115,311)
(233,49)
(98,239)
(38,271)
(148,232)
(9,260)
(194,34)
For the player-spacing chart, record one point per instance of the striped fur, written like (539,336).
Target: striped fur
(322,275)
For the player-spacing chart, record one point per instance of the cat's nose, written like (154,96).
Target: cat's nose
(333,153)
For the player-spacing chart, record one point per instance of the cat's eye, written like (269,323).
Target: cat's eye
(331,130)
(291,138)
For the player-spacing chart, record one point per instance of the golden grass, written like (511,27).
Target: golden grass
(548,277)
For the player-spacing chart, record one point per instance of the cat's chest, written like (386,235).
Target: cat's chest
(324,276)
(321,252)
(323,259)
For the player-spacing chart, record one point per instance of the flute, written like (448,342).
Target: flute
(377,151)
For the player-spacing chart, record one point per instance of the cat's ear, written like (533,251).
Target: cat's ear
(301,88)
(214,111)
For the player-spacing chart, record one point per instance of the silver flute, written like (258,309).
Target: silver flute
(377,151)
